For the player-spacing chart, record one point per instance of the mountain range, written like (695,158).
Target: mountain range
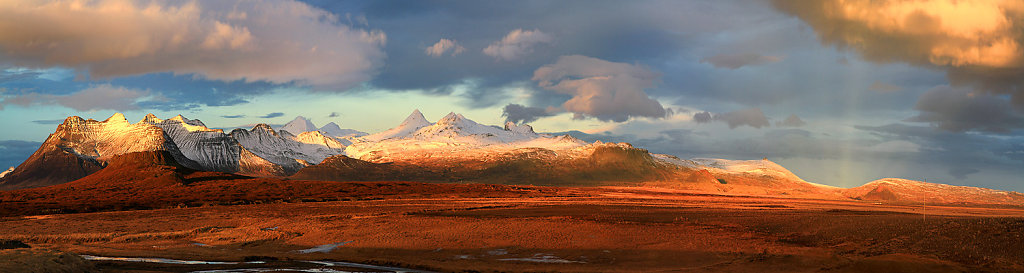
(453,149)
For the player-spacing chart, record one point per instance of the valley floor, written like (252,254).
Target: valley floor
(563,229)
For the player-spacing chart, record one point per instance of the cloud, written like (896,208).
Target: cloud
(273,115)
(959,110)
(977,43)
(97,97)
(272,41)
(752,117)
(601,89)
(702,117)
(734,61)
(882,87)
(791,121)
(334,115)
(962,172)
(443,46)
(233,116)
(517,44)
(524,114)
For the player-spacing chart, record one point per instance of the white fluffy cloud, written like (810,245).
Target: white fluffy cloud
(517,44)
(605,90)
(275,41)
(443,46)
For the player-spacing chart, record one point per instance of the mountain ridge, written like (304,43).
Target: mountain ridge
(453,149)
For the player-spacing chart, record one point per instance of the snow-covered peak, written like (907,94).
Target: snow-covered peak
(416,119)
(262,128)
(178,122)
(4,173)
(332,129)
(299,125)
(522,129)
(455,125)
(451,119)
(329,128)
(414,122)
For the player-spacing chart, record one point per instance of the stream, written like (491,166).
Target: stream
(172,265)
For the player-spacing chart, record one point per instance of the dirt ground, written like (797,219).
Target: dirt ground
(601,229)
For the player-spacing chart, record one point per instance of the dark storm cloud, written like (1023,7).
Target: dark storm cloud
(273,115)
(233,116)
(957,152)
(524,114)
(959,110)
(954,149)
(13,152)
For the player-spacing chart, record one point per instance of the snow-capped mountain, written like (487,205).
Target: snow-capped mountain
(454,148)
(284,149)
(414,122)
(211,149)
(79,147)
(452,136)
(333,130)
(299,125)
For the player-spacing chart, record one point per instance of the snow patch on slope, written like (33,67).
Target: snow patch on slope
(4,173)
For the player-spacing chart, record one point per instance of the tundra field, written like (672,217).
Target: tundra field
(474,227)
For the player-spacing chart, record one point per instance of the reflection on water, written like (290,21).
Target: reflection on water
(261,266)
(158,260)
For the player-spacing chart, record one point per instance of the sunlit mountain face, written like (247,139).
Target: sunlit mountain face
(496,119)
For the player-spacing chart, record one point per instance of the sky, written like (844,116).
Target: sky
(841,92)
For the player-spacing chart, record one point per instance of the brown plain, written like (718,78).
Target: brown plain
(161,210)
